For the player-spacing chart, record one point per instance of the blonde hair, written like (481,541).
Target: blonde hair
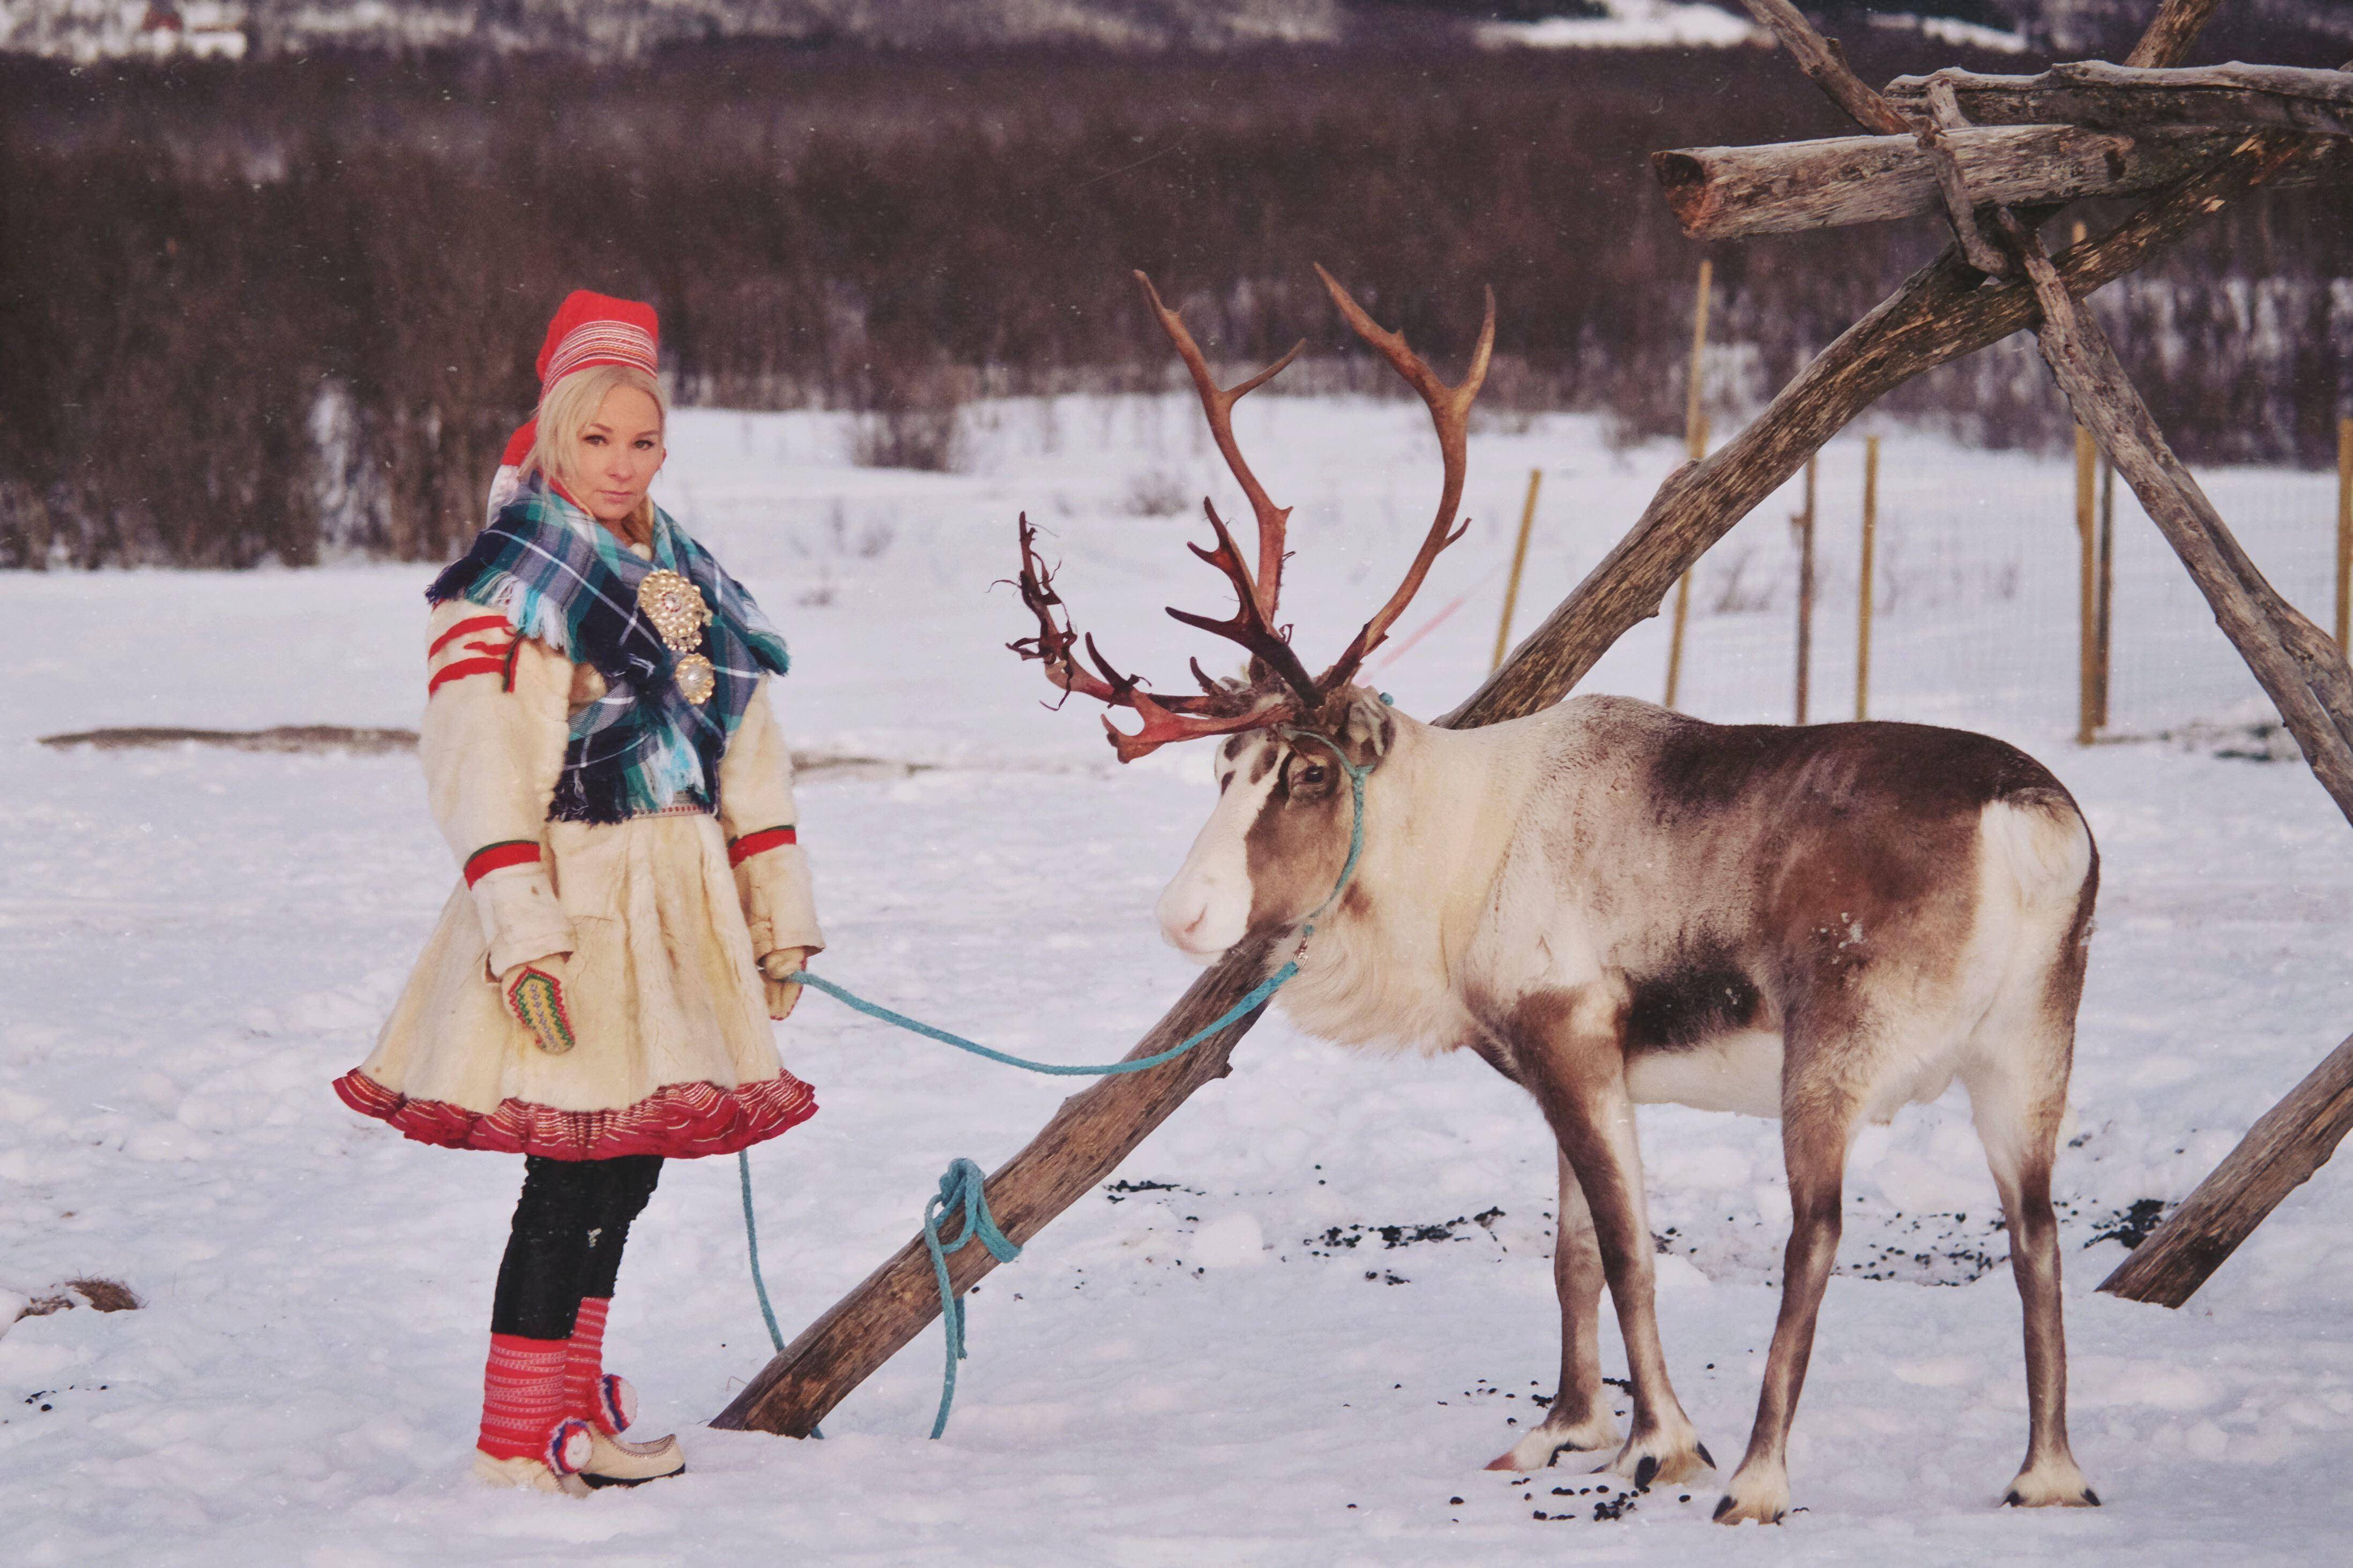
(566,412)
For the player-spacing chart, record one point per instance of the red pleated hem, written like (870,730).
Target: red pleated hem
(678,1121)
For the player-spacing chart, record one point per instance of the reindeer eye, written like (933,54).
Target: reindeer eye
(1312,774)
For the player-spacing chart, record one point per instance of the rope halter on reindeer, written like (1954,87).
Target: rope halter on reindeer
(1277,692)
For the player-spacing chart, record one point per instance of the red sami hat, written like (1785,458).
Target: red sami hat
(590,330)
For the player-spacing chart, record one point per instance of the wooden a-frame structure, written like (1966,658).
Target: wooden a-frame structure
(1994,155)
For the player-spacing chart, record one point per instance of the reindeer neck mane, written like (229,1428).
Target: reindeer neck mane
(1377,972)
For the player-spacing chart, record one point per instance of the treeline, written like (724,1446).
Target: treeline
(254,313)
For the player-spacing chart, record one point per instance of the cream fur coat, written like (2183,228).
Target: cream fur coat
(665,918)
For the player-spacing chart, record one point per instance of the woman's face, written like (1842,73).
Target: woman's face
(620,452)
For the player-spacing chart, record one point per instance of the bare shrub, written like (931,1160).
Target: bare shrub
(1156,492)
(1733,592)
(199,252)
(924,438)
(98,1295)
(106,1295)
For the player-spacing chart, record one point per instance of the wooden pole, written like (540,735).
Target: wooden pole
(1730,193)
(2306,676)
(2087,493)
(1519,559)
(2344,523)
(1862,595)
(2103,643)
(1695,446)
(2291,1141)
(1806,591)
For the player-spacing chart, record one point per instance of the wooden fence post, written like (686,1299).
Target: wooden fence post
(1519,559)
(2104,609)
(2344,521)
(1695,444)
(1862,600)
(1805,520)
(2087,468)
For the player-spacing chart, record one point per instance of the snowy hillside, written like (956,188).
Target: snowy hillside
(1319,1299)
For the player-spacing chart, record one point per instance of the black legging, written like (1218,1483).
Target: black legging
(569,1229)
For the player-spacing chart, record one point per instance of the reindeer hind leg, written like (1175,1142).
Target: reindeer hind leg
(2018,1098)
(1579,1417)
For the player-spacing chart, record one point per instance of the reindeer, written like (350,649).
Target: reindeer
(1614,905)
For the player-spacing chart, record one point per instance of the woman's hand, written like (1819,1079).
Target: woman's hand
(533,990)
(777,968)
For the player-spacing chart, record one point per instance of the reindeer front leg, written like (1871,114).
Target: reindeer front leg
(1579,1417)
(1568,1050)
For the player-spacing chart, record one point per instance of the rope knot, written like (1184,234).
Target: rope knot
(962,1190)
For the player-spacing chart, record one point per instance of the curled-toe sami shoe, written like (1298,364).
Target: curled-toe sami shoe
(617,1462)
(614,1461)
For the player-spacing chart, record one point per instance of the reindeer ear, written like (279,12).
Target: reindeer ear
(1370,727)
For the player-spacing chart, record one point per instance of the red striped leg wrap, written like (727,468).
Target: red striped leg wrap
(523,1399)
(589,1391)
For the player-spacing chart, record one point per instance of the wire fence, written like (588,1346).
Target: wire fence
(1977,599)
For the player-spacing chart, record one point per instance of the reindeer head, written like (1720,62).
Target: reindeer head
(1285,729)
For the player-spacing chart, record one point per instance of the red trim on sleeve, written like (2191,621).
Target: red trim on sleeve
(472,624)
(459,669)
(742,849)
(497,856)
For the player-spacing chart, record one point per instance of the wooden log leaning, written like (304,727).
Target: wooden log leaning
(2284,1147)
(2171,31)
(2276,641)
(2119,98)
(1724,192)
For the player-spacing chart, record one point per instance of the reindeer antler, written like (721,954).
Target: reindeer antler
(1278,688)
(1220,709)
(1450,411)
(1218,403)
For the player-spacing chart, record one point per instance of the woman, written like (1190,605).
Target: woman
(600,755)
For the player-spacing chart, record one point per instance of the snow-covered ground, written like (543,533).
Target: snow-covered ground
(1303,1347)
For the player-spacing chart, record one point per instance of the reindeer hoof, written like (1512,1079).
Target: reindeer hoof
(1755,1498)
(1543,1446)
(1659,1460)
(2051,1484)
(1729,1509)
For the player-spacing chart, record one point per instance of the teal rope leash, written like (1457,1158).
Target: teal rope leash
(1264,989)
(751,1246)
(964,1187)
(1259,994)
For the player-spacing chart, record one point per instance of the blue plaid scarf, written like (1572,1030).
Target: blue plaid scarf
(559,575)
